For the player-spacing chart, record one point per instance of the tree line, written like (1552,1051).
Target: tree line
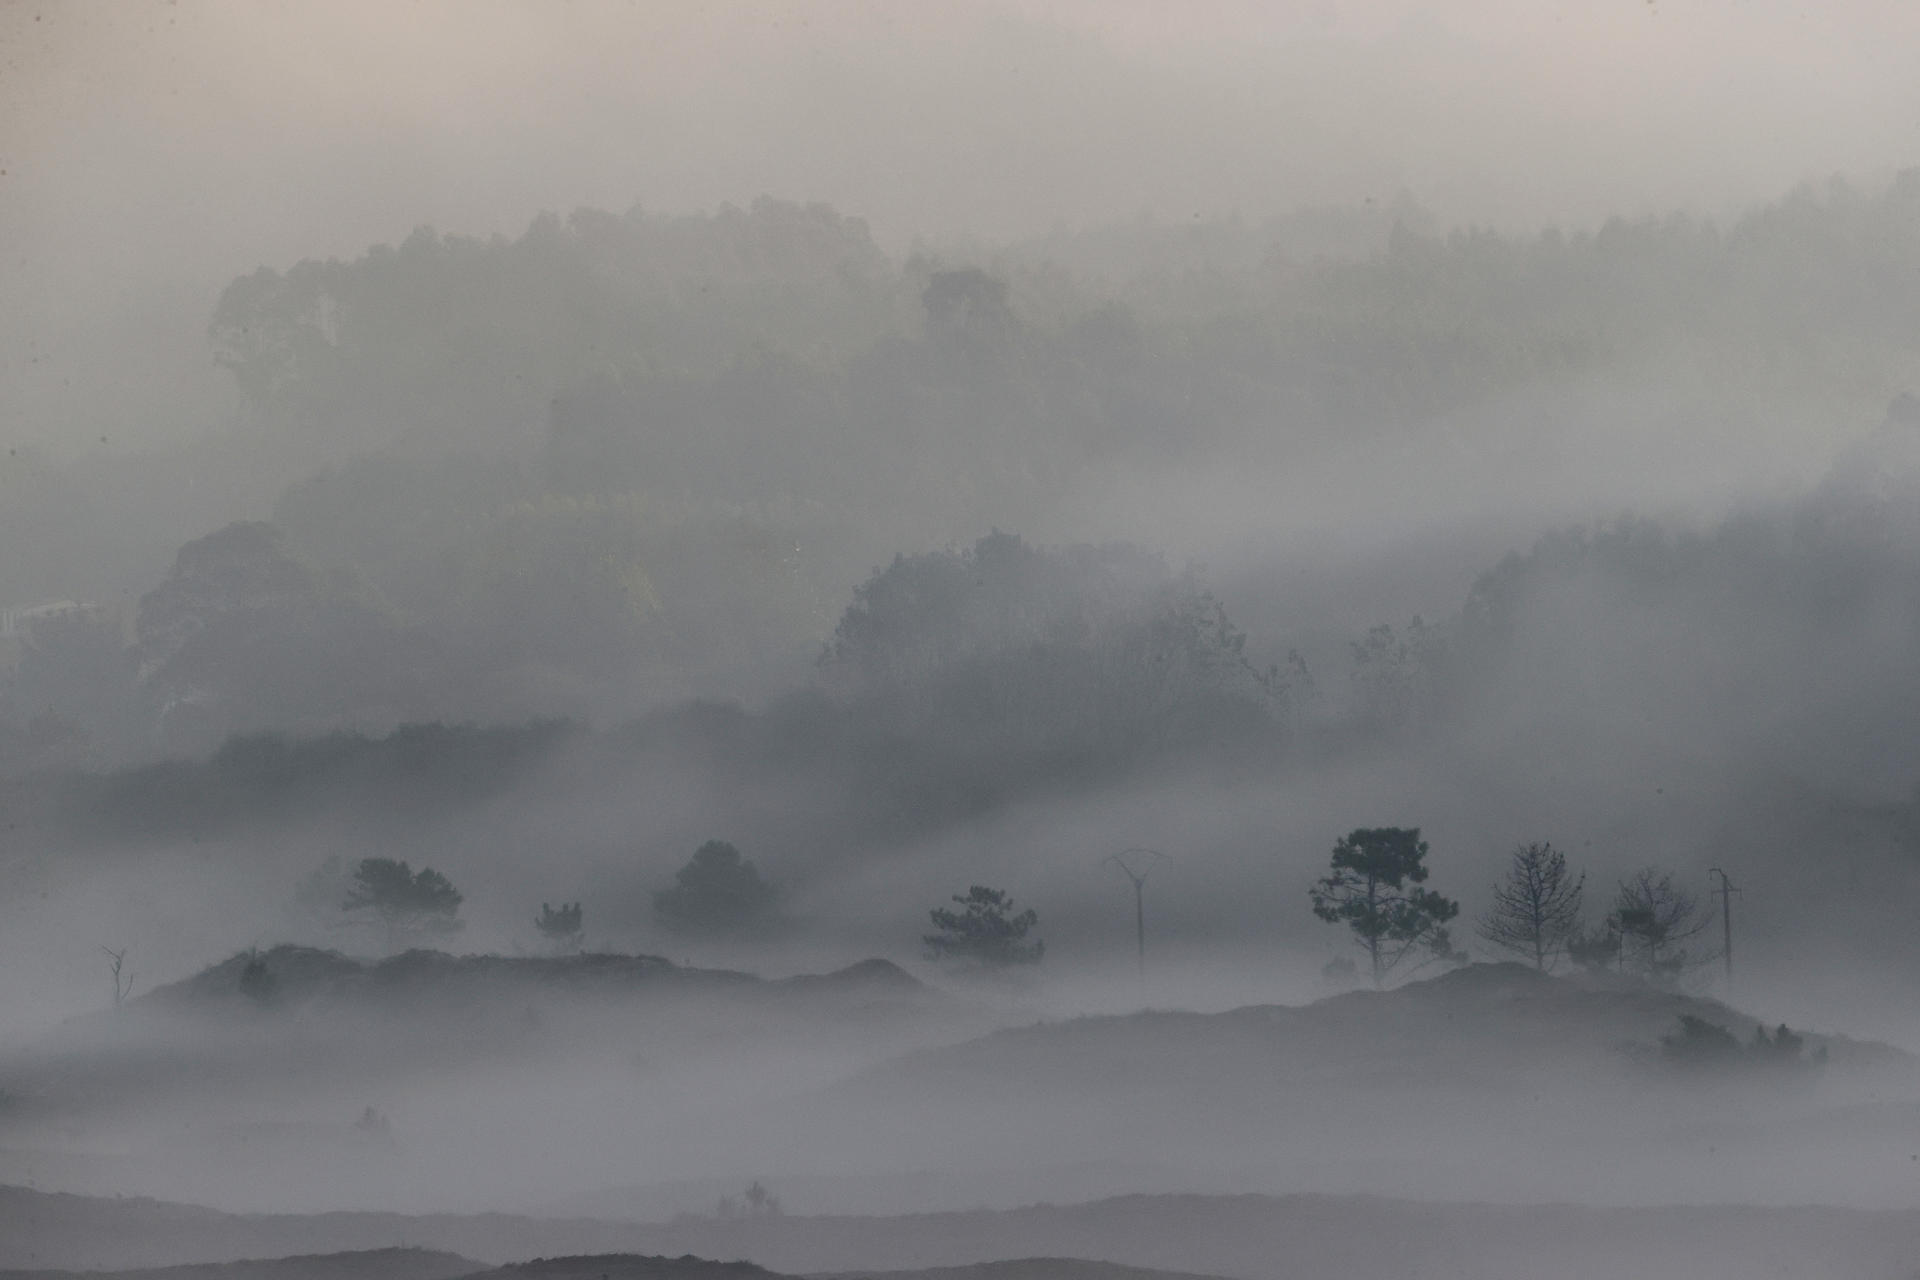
(1375,888)
(717,893)
(1538,913)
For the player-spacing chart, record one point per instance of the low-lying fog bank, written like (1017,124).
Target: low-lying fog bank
(1242,1237)
(626,1086)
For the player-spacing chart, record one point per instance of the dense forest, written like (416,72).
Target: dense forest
(626,459)
(742,497)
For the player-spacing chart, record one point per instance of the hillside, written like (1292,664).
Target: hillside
(1478,1027)
(1489,1082)
(325,1022)
(363,1264)
(427,1264)
(398,1078)
(864,1091)
(306,976)
(1129,1238)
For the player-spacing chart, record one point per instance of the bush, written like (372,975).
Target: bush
(1702,1045)
(718,891)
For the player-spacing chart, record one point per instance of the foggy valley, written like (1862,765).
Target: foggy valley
(1023,641)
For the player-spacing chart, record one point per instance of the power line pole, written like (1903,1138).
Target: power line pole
(1136,871)
(1726,892)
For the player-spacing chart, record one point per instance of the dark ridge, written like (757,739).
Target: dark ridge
(627,1266)
(304,974)
(277,777)
(874,973)
(1254,1237)
(361,1264)
(1023,1269)
(1440,1028)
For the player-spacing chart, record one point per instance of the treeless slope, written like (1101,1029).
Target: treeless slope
(626,1266)
(1024,1269)
(1483,1026)
(47,1230)
(330,1023)
(1341,1238)
(367,1264)
(1244,1237)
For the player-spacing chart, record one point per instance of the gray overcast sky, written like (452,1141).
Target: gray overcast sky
(154,150)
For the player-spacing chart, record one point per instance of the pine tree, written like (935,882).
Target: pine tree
(562,927)
(1373,890)
(985,931)
(404,901)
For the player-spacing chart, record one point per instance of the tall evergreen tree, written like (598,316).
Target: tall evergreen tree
(985,931)
(1373,888)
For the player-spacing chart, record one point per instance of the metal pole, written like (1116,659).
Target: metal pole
(1726,892)
(1140,923)
(1138,878)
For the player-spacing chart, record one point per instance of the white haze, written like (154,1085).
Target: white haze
(155,151)
(1733,690)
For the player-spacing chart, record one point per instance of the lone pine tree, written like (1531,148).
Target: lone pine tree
(1373,888)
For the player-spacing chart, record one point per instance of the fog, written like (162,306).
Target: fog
(1015,635)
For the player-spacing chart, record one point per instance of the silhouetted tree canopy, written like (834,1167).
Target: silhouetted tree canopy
(561,926)
(1374,889)
(718,891)
(1101,649)
(1595,950)
(406,902)
(1708,1048)
(985,931)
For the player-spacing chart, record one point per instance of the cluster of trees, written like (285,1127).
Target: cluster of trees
(1699,1045)
(997,650)
(1376,888)
(786,325)
(717,894)
(1002,650)
(1021,654)
(637,456)
(755,1202)
(563,927)
(406,903)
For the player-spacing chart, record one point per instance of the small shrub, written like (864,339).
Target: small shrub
(257,982)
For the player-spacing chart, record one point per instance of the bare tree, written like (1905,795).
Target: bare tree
(1536,908)
(122,986)
(1655,919)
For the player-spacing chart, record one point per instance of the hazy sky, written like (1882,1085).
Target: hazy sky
(153,150)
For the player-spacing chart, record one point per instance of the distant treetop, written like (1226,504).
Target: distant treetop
(717,891)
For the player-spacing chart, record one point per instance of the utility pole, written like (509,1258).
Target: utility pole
(1726,892)
(1135,864)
